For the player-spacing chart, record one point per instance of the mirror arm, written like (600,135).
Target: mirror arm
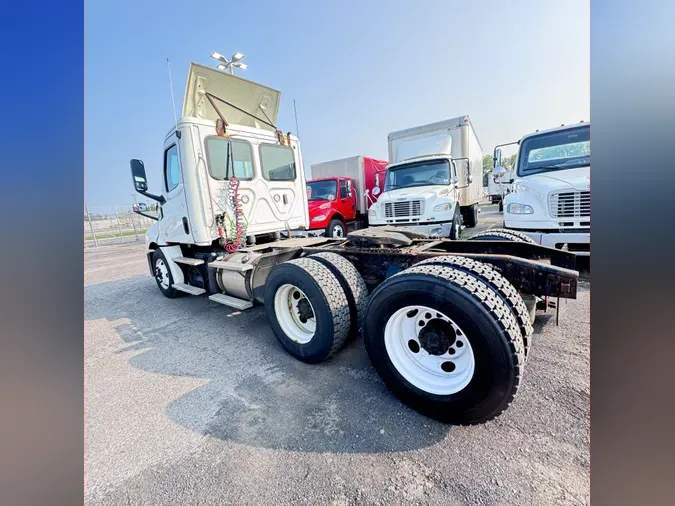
(158,198)
(156,218)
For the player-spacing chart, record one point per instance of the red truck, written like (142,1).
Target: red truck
(340,193)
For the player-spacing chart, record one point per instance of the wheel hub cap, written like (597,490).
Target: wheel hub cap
(437,337)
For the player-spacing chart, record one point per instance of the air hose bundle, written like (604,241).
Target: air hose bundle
(238,222)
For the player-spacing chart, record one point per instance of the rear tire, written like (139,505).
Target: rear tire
(353,285)
(307,309)
(502,234)
(487,324)
(336,229)
(163,276)
(493,278)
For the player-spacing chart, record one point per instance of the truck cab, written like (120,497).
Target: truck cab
(228,175)
(430,183)
(332,203)
(551,194)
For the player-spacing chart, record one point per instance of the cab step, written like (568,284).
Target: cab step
(192,290)
(230,266)
(228,300)
(188,261)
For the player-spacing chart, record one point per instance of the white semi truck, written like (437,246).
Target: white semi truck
(434,180)
(550,199)
(446,324)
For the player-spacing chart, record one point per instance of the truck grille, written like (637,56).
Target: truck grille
(403,209)
(573,204)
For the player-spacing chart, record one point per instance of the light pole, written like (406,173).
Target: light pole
(229,64)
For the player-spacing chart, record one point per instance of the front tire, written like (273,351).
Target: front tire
(470,216)
(456,227)
(307,309)
(163,276)
(336,229)
(463,308)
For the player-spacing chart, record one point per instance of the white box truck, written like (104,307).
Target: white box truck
(434,180)
(550,199)
(447,332)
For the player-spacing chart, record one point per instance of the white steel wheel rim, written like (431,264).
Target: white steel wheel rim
(162,273)
(291,307)
(337,231)
(427,371)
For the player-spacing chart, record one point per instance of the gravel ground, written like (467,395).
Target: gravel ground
(190,404)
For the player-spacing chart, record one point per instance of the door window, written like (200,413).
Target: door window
(344,189)
(171,168)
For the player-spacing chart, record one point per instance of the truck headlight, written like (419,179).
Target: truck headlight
(372,213)
(519,209)
(442,207)
(320,217)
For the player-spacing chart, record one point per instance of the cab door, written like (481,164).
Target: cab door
(174,227)
(346,199)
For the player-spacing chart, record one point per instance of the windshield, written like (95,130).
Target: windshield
(418,174)
(555,151)
(321,190)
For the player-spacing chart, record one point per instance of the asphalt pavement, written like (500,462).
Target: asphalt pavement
(188,403)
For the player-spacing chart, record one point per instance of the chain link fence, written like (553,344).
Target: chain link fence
(105,225)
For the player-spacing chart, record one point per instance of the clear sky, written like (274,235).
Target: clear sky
(357,70)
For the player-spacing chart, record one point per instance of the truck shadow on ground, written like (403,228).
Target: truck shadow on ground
(256,393)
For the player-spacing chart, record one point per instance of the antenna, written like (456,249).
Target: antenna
(173,100)
(297,130)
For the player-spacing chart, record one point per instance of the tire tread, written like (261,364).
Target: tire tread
(492,277)
(352,283)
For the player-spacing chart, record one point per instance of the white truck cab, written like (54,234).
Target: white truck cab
(430,184)
(228,174)
(551,195)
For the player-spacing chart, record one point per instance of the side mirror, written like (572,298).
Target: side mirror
(138,175)
(497,158)
(139,208)
(498,172)
(349,189)
(376,191)
(141,181)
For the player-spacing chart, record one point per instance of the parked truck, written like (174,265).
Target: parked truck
(550,199)
(340,193)
(434,181)
(499,185)
(446,324)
